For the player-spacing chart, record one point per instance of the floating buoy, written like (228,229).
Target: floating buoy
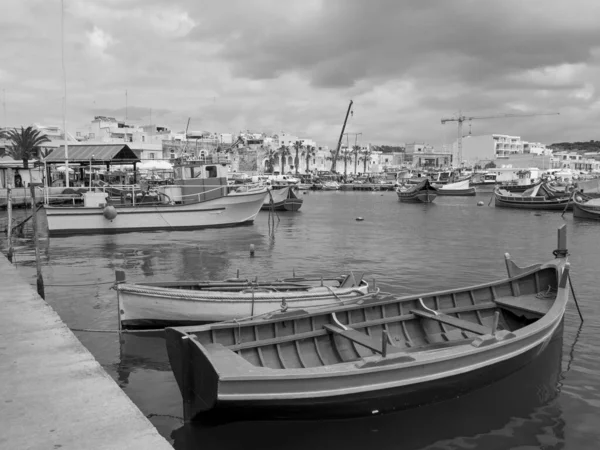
(359,219)
(479,203)
(109,212)
(251,249)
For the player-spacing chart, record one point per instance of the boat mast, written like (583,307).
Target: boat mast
(62,30)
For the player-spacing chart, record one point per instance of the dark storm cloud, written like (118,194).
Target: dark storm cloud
(348,41)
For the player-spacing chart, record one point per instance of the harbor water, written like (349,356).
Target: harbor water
(405,248)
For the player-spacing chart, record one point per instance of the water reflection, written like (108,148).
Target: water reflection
(519,410)
(141,351)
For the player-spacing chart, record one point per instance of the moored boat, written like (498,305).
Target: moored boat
(282,199)
(423,192)
(459,189)
(540,197)
(373,356)
(330,186)
(200,198)
(152,305)
(585,207)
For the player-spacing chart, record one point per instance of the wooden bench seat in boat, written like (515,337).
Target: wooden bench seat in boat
(453,321)
(527,303)
(362,339)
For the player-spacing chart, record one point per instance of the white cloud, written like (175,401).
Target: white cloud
(585,93)
(99,41)
(171,23)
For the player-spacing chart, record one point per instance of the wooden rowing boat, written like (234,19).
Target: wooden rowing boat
(282,199)
(374,355)
(423,192)
(585,207)
(541,197)
(155,305)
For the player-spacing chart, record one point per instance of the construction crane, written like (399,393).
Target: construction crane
(337,150)
(461,118)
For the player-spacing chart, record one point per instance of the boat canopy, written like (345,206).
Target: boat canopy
(99,153)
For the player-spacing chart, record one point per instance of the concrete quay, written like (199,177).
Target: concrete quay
(53,393)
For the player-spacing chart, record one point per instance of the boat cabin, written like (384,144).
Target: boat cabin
(198,181)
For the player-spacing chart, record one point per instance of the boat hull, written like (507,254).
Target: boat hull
(421,193)
(151,307)
(457,192)
(583,212)
(283,199)
(383,401)
(419,197)
(290,204)
(556,205)
(231,210)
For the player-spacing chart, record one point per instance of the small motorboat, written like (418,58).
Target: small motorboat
(422,192)
(160,304)
(330,186)
(374,355)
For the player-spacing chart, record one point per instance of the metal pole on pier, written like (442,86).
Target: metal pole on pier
(40,280)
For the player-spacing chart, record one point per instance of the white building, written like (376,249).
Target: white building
(536,148)
(486,148)
(574,161)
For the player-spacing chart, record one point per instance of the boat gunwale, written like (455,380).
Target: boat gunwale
(550,320)
(257,297)
(526,271)
(135,208)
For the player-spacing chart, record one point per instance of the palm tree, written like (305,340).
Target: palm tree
(332,155)
(24,144)
(271,156)
(346,157)
(308,153)
(297,147)
(366,157)
(283,153)
(355,152)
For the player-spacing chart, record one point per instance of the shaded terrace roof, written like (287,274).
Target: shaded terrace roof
(117,153)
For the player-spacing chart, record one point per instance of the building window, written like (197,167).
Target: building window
(143,138)
(78,134)
(151,155)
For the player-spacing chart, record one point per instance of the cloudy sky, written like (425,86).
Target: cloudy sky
(270,65)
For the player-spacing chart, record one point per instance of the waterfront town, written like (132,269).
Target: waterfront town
(299,225)
(254,153)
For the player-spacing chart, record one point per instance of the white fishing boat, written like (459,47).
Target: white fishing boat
(460,188)
(331,186)
(152,305)
(200,198)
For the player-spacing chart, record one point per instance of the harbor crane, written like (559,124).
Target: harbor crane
(337,150)
(461,118)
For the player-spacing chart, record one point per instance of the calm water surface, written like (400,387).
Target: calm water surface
(553,403)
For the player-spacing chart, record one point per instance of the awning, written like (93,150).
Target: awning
(111,153)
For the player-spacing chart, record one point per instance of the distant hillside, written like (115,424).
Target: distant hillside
(582,147)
